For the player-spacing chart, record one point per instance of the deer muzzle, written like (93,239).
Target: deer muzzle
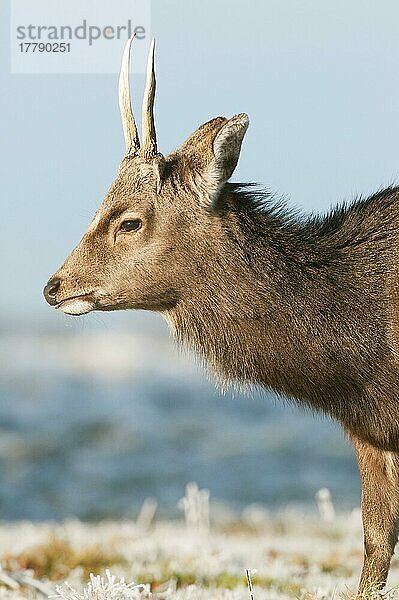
(72,305)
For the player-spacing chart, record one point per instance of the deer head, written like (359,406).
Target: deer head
(148,241)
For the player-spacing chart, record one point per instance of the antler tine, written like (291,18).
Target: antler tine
(148,126)
(129,126)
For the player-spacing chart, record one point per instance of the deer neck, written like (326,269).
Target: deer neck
(267,313)
(233,315)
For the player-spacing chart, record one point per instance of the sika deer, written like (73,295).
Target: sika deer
(307,307)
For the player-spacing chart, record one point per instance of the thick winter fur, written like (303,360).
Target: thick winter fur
(308,307)
(305,307)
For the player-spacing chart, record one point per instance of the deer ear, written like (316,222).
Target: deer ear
(211,153)
(226,152)
(227,145)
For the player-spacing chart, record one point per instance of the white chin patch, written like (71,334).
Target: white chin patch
(76,306)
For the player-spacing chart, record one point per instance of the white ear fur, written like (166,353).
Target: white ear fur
(226,151)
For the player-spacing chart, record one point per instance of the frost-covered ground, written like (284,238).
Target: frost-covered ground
(290,555)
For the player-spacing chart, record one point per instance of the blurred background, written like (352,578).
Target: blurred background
(99,412)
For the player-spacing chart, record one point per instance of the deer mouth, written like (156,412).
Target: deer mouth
(77,305)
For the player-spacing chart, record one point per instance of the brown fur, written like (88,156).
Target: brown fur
(306,307)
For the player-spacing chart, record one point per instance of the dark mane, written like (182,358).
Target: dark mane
(354,213)
(251,197)
(346,224)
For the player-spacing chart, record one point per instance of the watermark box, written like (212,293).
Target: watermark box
(77,36)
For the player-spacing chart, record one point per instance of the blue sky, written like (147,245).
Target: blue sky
(319,80)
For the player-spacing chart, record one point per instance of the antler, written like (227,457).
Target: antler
(148,124)
(149,148)
(129,126)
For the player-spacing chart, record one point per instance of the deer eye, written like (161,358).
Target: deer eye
(130,225)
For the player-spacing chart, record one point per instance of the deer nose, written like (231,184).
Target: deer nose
(51,289)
